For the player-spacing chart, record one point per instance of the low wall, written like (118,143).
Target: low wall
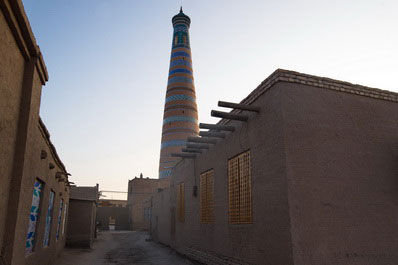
(81,223)
(119,214)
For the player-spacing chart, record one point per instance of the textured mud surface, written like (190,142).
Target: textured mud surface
(124,247)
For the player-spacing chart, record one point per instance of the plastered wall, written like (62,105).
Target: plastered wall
(324,181)
(11,76)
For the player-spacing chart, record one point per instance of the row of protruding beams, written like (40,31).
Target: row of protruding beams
(196,144)
(43,155)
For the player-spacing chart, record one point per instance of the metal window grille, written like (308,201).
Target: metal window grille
(207,197)
(239,189)
(181,202)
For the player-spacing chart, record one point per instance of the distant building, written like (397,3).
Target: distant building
(113,215)
(34,185)
(112,203)
(311,178)
(180,118)
(140,191)
(82,216)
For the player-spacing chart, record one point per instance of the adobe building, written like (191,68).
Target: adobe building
(112,215)
(113,218)
(34,186)
(82,216)
(303,171)
(112,203)
(140,190)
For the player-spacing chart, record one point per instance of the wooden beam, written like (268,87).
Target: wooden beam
(217,127)
(201,140)
(212,134)
(191,150)
(198,146)
(183,155)
(229,116)
(238,106)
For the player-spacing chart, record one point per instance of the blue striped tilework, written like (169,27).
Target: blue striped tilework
(182,70)
(179,105)
(173,143)
(180,98)
(179,130)
(180,79)
(183,54)
(167,162)
(182,132)
(179,118)
(180,62)
(164,173)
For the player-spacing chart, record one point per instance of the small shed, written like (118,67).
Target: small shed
(82,216)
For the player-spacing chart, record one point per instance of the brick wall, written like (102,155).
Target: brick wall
(140,191)
(341,159)
(120,214)
(221,241)
(11,72)
(324,167)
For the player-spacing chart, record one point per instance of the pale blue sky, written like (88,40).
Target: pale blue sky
(108,66)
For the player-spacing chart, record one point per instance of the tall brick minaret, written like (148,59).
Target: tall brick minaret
(180,118)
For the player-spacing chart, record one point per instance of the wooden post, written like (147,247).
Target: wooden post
(238,106)
(218,127)
(183,155)
(197,146)
(230,116)
(212,134)
(191,150)
(202,140)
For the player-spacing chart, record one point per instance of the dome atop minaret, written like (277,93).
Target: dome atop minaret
(181,18)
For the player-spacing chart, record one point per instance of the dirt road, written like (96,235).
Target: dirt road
(122,248)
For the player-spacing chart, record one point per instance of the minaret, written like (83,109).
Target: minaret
(180,118)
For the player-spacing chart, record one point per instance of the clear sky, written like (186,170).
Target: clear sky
(108,66)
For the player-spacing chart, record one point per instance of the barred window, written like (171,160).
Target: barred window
(206,197)
(181,202)
(239,189)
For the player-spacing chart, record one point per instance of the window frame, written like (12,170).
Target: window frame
(49,216)
(206,201)
(59,219)
(37,221)
(181,202)
(240,197)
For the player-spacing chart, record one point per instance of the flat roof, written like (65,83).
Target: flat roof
(282,75)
